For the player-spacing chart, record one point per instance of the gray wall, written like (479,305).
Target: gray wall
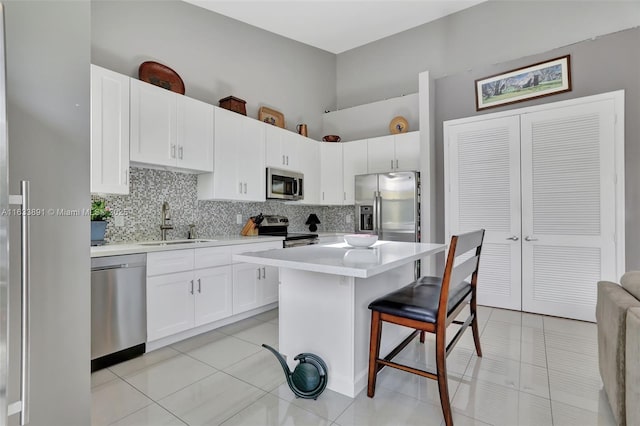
(47,62)
(605,64)
(489,33)
(216,57)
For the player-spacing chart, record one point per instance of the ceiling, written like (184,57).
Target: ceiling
(335,26)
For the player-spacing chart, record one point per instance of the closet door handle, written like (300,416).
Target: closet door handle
(513,238)
(528,238)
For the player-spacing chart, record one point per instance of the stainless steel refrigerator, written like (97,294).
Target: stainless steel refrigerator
(44,246)
(388,205)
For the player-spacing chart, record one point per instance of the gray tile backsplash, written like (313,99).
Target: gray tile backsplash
(149,188)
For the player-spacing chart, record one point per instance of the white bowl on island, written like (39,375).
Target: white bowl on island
(360,240)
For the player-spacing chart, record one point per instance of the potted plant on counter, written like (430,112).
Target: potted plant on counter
(99,215)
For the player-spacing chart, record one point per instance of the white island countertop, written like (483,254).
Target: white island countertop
(342,259)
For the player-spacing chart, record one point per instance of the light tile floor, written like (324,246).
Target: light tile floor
(536,370)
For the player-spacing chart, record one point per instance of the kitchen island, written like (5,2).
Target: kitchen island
(324,296)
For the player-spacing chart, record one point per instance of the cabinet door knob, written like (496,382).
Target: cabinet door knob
(199,286)
(191,291)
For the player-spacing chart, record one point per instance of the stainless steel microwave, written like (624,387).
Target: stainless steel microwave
(284,184)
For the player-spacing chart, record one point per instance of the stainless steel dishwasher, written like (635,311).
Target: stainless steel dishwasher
(118,309)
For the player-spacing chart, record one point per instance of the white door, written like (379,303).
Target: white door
(354,159)
(381,154)
(250,159)
(153,124)
(194,134)
(407,151)
(269,285)
(483,163)
(109,131)
(213,291)
(245,287)
(274,157)
(307,160)
(169,304)
(331,186)
(568,202)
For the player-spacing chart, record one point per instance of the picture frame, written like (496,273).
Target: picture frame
(521,84)
(271,116)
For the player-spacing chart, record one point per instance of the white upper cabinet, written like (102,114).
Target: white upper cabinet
(354,158)
(282,148)
(394,153)
(109,131)
(168,129)
(153,124)
(331,184)
(195,134)
(308,155)
(407,155)
(239,159)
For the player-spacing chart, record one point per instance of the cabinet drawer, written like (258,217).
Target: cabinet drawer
(243,248)
(212,256)
(167,262)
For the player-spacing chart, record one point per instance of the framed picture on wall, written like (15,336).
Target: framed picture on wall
(521,84)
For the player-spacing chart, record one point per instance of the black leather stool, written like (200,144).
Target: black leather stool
(430,305)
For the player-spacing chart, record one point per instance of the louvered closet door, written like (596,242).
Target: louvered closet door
(568,203)
(483,163)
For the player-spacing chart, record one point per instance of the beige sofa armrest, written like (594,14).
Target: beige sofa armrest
(611,314)
(632,368)
(631,282)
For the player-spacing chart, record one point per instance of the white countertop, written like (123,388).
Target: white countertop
(150,246)
(342,259)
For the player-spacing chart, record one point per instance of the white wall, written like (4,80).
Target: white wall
(216,57)
(371,120)
(486,34)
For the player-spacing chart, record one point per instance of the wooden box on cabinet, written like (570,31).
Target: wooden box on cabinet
(234,104)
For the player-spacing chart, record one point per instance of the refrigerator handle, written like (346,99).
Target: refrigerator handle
(22,406)
(379,215)
(375,212)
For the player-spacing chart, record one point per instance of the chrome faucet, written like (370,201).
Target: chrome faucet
(165,223)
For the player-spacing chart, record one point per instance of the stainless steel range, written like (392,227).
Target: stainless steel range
(275,225)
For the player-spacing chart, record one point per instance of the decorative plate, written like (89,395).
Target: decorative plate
(161,75)
(399,124)
(271,116)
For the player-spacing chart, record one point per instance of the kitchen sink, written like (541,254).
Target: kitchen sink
(174,242)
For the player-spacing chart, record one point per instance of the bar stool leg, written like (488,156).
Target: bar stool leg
(374,352)
(441,370)
(474,327)
(422,336)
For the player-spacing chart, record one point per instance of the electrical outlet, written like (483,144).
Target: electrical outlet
(239,219)
(348,219)
(119,220)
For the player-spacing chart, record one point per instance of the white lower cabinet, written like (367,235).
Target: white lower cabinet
(180,297)
(169,304)
(213,294)
(254,285)
(193,287)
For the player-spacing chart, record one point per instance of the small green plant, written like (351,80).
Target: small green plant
(99,211)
